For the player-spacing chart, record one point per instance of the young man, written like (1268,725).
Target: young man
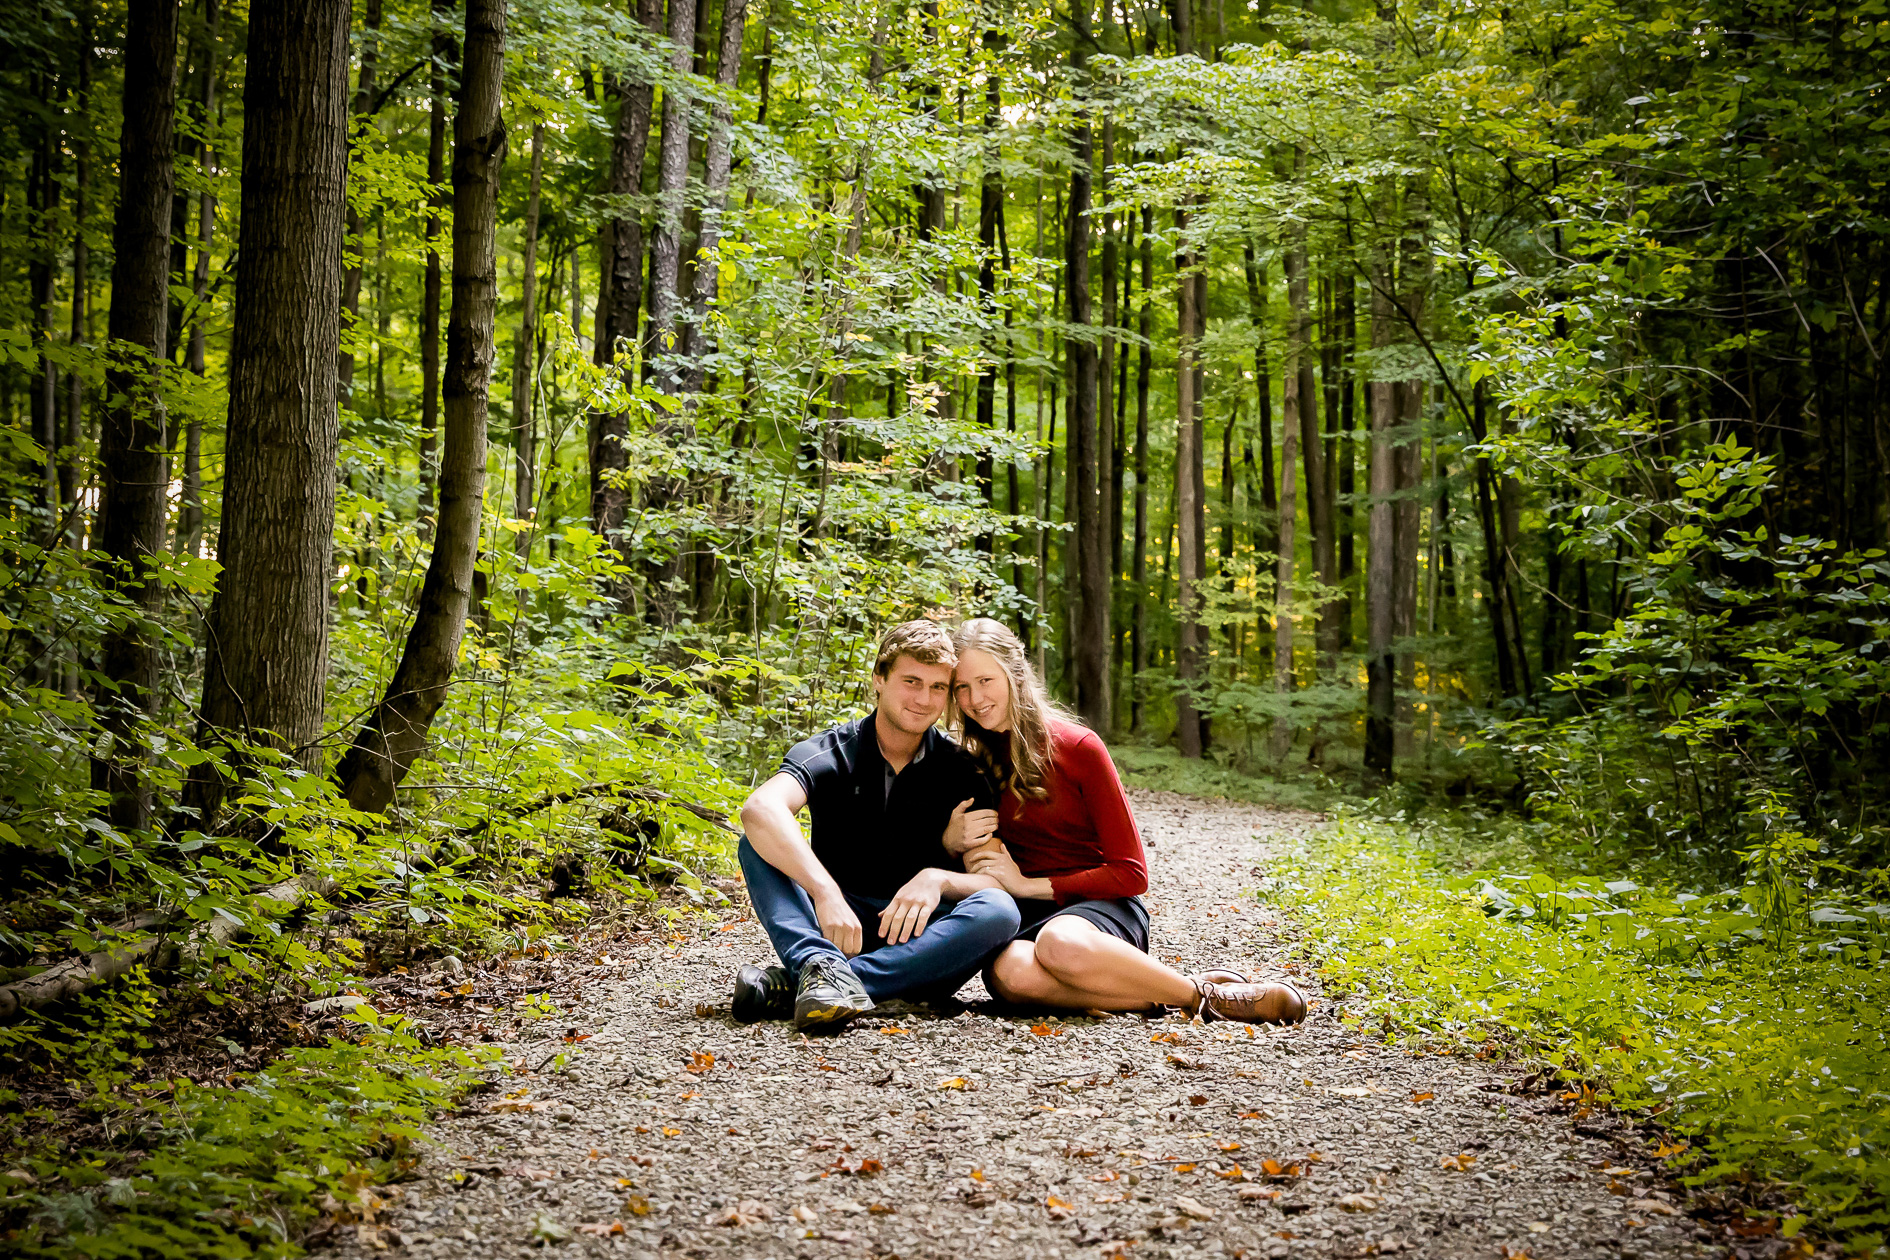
(876,907)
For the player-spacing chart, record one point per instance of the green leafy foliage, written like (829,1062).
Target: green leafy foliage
(1750,1020)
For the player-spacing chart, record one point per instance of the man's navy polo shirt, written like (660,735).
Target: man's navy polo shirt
(870,840)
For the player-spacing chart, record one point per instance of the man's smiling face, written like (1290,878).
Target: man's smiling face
(912,694)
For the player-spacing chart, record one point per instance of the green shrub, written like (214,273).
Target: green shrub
(1753,1020)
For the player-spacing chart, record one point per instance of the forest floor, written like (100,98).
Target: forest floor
(975,1131)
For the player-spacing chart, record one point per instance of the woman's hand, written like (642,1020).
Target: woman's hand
(997,862)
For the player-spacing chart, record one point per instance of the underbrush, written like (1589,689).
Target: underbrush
(1753,1021)
(141,1165)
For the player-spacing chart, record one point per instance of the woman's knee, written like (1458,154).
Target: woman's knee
(1066,946)
(1014,975)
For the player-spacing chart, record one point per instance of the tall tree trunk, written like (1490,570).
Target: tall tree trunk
(356,260)
(395,734)
(42,195)
(1312,449)
(1089,472)
(990,215)
(1282,740)
(1380,555)
(68,459)
(672,184)
(716,165)
(1138,560)
(267,656)
(132,480)
(1108,444)
(525,361)
(1188,456)
(1346,318)
(445,53)
(619,297)
(1266,535)
(190,498)
(1414,283)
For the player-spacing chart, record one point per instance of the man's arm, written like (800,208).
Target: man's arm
(768,822)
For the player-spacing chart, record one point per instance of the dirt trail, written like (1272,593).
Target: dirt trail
(919,1136)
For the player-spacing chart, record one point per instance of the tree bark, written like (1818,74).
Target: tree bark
(190,498)
(525,361)
(1312,450)
(1267,530)
(130,533)
(1188,456)
(445,53)
(990,215)
(672,183)
(619,297)
(1380,557)
(396,733)
(356,262)
(1290,428)
(1138,560)
(268,626)
(1089,472)
(715,174)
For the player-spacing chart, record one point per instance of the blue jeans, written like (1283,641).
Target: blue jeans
(961,936)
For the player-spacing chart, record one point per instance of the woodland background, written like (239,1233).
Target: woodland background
(453,446)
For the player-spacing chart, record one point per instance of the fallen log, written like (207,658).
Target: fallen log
(71,977)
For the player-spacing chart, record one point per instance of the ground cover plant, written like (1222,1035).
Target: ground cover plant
(1748,1021)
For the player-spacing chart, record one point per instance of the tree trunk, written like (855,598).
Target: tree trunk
(1414,282)
(525,361)
(444,54)
(190,498)
(1290,379)
(67,460)
(716,165)
(672,183)
(1267,531)
(396,733)
(1188,455)
(1138,560)
(990,215)
(1346,318)
(267,655)
(1380,556)
(356,260)
(1088,473)
(1312,451)
(619,297)
(130,534)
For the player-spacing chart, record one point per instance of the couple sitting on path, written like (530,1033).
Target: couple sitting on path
(920,872)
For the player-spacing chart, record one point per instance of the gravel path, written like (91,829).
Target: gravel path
(932,1134)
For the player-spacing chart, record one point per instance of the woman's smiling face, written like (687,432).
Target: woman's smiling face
(983,690)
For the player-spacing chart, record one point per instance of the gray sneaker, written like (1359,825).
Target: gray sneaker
(829,995)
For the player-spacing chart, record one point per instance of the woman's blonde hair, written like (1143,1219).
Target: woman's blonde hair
(1031,709)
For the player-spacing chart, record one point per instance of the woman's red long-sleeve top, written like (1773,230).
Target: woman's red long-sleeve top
(1082,834)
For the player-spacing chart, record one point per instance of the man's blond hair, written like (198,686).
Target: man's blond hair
(926,642)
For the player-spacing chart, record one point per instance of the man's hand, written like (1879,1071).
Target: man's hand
(999,865)
(912,906)
(838,923)
(969,828)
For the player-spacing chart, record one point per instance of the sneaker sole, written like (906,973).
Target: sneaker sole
(827,1016)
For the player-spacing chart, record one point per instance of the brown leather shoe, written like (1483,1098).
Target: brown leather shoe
(1251,1003)
(1217,975)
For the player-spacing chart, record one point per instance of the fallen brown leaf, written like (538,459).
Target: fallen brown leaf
(1194,1208)
(599,1229)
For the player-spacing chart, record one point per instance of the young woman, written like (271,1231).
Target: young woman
(1068,850)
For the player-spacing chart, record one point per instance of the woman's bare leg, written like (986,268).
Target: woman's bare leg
(1075,964)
